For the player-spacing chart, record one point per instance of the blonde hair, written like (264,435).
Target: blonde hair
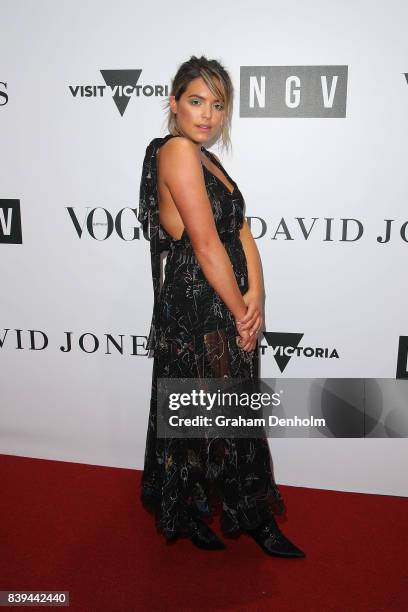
(210,71)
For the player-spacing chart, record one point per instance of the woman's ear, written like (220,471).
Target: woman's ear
(173,104)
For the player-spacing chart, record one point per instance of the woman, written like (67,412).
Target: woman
(206,318)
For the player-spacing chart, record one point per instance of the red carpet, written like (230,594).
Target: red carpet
(80,528)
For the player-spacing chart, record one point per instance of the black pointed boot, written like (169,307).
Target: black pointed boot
(273,541)
(204,537)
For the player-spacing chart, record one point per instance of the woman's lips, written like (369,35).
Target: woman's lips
(205,129)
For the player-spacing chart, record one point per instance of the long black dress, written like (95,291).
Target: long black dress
(193,334)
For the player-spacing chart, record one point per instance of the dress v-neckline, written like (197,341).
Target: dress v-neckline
(220,167)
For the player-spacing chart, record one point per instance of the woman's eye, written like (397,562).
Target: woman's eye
(219,106)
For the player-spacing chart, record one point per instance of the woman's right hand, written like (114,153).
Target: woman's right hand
(244,340)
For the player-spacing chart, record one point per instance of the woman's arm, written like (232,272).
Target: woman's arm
(252,256)
(253,259)
(254,297)
(181,171)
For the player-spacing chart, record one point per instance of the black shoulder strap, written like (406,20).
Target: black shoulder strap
(148,215)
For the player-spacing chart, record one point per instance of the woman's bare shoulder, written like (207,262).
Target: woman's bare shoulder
(177,147)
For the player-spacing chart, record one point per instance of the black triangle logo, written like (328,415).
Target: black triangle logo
(277,339)
(124,78)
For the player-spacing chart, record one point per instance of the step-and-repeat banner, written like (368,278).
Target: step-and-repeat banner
(319,151)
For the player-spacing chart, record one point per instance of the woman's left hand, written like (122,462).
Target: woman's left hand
(252,321)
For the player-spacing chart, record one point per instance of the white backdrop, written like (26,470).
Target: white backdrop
(64,154)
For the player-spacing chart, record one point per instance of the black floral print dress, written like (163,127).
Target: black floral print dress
(193,334)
